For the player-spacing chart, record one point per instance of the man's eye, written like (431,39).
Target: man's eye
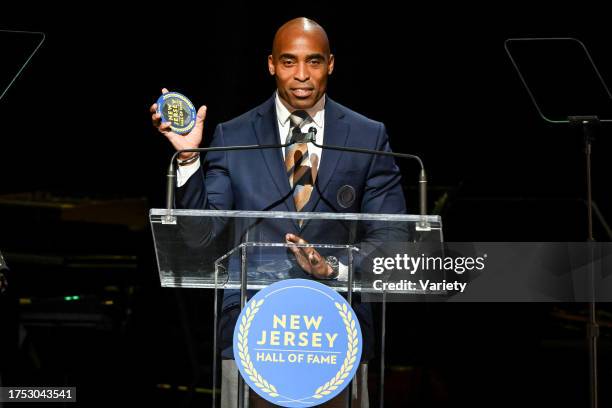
(315,62)
(288,62)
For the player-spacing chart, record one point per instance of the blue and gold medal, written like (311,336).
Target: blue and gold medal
(178,110)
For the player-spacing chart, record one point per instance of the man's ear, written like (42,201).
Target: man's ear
(330,65)
(271,65)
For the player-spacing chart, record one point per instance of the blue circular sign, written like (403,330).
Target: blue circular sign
(297,343)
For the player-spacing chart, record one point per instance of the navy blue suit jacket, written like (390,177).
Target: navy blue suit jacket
(257,181)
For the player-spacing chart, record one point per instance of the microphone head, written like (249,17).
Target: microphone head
(299,137)
(311,135)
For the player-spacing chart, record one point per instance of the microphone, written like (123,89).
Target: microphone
(308,137)
(423,225)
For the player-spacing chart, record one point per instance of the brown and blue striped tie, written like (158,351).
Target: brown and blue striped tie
(301,168)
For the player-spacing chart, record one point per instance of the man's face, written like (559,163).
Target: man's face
(301,64)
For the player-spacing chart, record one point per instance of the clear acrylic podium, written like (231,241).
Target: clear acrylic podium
(235,253)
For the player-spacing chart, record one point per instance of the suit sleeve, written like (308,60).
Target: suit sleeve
(383,190)
(383,195)
(210,186)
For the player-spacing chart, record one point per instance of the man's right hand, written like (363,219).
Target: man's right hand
(191,140)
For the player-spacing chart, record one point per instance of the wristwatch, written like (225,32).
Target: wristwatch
(335,265)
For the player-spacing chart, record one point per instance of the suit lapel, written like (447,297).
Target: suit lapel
(266,131)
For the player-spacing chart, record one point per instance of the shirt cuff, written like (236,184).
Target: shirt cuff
(184,172)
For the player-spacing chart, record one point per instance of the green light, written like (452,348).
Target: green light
(68,298)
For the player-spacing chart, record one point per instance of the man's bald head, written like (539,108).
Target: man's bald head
(301,62)
(296,27)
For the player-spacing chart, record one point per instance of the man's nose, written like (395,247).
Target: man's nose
(302,74)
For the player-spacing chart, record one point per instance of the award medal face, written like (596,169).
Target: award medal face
(178,110)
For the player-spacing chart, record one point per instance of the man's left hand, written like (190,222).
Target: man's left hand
(308,258)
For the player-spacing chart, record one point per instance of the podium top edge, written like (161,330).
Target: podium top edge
(297,215)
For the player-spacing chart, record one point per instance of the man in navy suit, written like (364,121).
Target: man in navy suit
(301,177)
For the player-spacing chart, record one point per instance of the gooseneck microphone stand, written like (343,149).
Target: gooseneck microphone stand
(422,175)
(305,138)
(171,175)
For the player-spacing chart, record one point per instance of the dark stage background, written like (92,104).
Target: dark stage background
(76,132)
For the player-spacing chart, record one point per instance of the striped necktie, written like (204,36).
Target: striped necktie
(301,169)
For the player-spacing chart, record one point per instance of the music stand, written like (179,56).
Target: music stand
(18,48)
(566,87)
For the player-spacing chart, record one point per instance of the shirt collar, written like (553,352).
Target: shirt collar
(316,112)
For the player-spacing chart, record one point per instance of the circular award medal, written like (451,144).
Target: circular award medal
(178,110)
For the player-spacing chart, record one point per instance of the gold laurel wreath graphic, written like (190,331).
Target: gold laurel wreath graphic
(351,354)
(243,349)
